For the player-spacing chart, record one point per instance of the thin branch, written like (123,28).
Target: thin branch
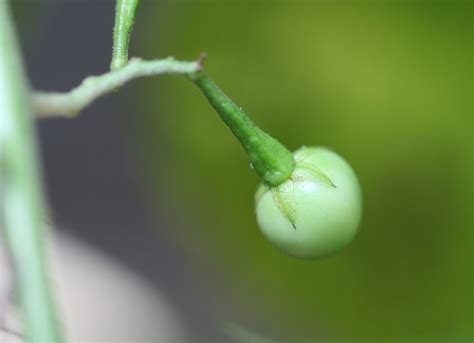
(69,104)
(124,20)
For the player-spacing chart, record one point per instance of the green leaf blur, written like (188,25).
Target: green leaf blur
(387,86)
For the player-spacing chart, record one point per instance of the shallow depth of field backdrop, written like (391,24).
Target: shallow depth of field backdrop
(389,86)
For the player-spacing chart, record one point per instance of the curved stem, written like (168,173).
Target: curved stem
(272,161)
(124,20)
(69,104)
(22,203)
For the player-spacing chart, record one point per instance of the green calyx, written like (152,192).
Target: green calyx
(283,194)
(270,159)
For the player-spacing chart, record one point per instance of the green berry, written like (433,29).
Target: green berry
(309,204)
(317,211)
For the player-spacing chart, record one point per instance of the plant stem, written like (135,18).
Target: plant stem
(124,20)
(69,104)
(272,161)
(22,203)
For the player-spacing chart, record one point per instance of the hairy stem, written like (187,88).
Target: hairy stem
(22,203)
(124,20)
(271,160)
(69,104)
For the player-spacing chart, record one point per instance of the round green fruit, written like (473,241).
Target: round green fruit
(317,211)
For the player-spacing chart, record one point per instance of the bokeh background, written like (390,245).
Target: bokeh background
(151,176)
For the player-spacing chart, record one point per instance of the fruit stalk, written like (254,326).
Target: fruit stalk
(270,159)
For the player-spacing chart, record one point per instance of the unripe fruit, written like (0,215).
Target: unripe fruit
(317,211)
(309,204)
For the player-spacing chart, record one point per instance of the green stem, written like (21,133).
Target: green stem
(22,203)
(124,20)
(69,104)
(272,161)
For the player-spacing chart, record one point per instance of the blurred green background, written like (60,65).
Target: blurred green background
(389,86)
